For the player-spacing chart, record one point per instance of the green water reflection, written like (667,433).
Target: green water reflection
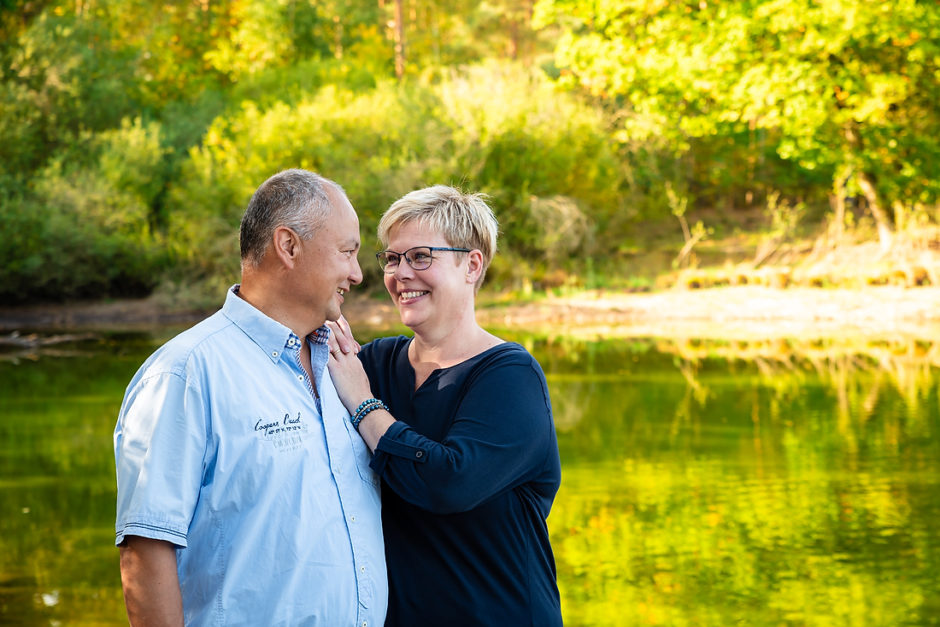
(705,483)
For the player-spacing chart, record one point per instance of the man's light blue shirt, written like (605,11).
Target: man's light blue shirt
(222,449)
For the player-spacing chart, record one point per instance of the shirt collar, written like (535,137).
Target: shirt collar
(269,334)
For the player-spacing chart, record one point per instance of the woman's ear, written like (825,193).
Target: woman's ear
(286,246)
(474,265)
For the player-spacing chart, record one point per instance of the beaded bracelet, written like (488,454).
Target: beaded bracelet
(364,409)
(368,401)
(367,406)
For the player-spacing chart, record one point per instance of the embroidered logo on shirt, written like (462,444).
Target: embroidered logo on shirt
(286,434)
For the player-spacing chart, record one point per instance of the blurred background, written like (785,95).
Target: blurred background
(623,143)
(759,474)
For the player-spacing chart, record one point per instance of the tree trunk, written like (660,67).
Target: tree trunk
(837,202)
(882,220)
(866,184)
(837,227)
(399,40)
(513,48)
(337,37)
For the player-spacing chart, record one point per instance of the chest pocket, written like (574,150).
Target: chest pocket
(334,411)
(362,454)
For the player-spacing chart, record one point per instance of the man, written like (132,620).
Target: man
(245,497)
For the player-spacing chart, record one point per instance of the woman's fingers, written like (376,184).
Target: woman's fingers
(343,334)
(340,342)
(337,341)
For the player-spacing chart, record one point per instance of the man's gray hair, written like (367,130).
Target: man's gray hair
(297,199)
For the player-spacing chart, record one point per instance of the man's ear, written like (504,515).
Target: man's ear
(286,245)
(474,265)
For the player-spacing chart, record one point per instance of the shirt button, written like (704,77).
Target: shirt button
(273,353)
(419,454)
(352,518)
(300,377)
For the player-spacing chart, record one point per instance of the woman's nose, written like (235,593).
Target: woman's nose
(404,268)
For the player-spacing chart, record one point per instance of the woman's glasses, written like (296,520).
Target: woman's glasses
(419,257)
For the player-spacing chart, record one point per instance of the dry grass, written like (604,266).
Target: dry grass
(913,260)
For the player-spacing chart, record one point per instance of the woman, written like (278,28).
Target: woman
(460,425)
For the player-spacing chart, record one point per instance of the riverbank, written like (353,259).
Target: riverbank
(735,312)
(739,312)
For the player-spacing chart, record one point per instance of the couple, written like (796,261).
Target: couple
(261,453)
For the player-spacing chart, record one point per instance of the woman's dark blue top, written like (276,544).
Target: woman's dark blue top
(469,474)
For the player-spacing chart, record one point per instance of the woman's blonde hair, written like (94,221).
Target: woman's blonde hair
(465,220)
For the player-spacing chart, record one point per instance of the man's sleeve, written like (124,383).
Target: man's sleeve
(159,448)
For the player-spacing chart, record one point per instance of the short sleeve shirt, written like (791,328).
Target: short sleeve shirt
(223,450)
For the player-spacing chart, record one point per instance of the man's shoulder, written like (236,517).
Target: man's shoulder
(176,353)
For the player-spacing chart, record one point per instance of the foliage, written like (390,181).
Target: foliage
(526,152)
(842,87)
(132,132)
(86,228)
(542,156)
(68,75)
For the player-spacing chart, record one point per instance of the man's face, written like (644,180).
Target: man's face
(329,266)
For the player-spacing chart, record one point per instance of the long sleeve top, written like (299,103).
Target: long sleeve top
(469,474)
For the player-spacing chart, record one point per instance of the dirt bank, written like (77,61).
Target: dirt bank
(735,312)
(728,312)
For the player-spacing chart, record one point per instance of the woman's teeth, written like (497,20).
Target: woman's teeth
(410,295)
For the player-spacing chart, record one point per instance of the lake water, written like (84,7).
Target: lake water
(704,483)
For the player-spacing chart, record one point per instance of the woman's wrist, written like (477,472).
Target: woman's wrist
(364,409)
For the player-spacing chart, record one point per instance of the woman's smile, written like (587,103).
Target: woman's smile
(410,295)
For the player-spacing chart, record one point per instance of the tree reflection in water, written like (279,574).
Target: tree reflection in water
(705,482)
(760,482)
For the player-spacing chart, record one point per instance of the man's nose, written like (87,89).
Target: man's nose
(355,277)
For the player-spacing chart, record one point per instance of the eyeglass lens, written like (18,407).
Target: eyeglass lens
(418,258)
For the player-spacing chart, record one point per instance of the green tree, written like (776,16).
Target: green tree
(84,228)
(68,75)
(543,157)
(843,87)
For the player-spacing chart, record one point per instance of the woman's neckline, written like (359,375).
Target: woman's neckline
(442,369)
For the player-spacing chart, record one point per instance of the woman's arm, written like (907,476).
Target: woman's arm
(501,436)
(352,383)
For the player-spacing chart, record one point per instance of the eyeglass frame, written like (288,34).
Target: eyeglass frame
(404,255)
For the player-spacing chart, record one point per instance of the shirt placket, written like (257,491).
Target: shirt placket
(345,473)
(293,345)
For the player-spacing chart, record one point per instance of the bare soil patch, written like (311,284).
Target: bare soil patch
(742,312)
